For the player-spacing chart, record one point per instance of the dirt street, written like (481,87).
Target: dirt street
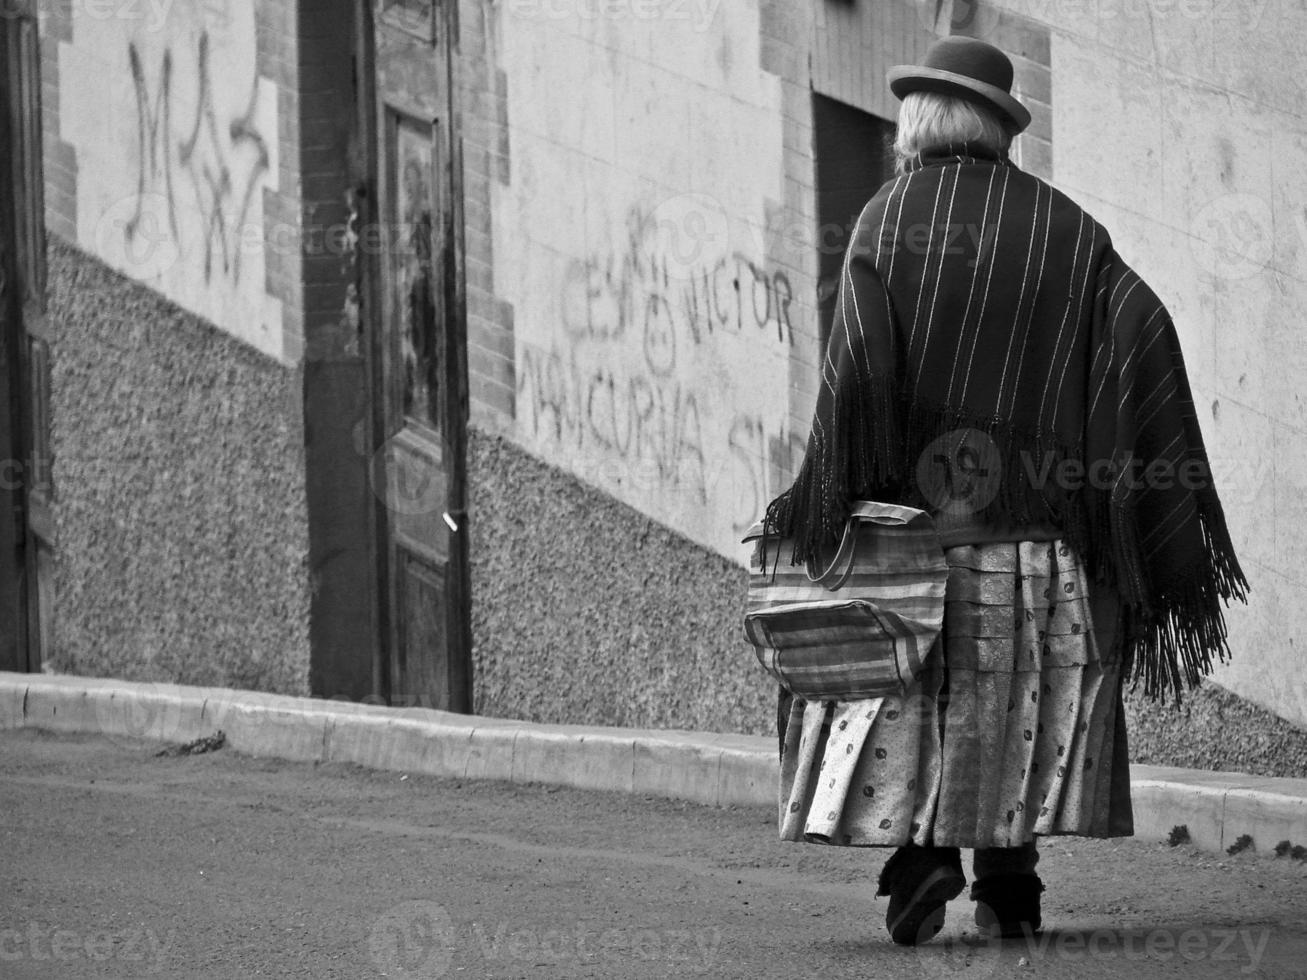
(115,863)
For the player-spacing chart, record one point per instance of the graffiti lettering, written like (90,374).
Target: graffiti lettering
(634,397)
(761,464)
(224,165)
(654,427)
(603,298)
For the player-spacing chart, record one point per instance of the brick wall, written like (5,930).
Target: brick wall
(326,118)
(56,26)
(483,97)
(853,45)
(277,54)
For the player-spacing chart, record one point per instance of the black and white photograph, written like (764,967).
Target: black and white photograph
(618,489)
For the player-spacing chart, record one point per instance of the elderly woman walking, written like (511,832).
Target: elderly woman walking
(994,362)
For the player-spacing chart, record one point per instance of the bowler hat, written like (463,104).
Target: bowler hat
(967,69)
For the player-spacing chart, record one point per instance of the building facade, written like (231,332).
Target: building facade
(442,352)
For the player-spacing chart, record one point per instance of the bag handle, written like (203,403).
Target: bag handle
(886,515)
(841,566)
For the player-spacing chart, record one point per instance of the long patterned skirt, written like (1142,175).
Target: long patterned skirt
(1014,729)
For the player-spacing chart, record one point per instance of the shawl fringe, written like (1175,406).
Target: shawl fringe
(1172,631)
(860,450)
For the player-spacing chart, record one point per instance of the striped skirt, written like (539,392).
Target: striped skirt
(1014,728)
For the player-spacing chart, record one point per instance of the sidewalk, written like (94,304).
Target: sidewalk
(722,770)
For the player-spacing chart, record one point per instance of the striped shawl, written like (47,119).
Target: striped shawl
(976,297)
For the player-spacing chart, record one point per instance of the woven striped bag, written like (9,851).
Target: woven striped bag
(860,628)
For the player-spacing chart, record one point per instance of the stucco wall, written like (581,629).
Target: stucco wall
(167,125)
(659,289)
(1180,126)
(584,610)
(181,530)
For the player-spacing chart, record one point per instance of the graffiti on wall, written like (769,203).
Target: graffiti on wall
(670,301)
(620,393)
(220,159)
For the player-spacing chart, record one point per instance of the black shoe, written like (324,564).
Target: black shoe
(919,881)
(1007,905)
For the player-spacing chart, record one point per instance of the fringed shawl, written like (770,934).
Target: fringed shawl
(976,297)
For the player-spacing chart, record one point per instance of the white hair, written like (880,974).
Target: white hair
(928,120)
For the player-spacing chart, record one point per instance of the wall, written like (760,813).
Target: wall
(1188,140)
(628,624)
(642,340)
(169,117)
(602,237)
(173,209)
(640,306)
(182,535)
(654,310)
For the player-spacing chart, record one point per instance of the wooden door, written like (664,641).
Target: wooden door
(415,327)
(27,527)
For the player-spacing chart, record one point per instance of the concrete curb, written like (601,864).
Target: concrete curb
(707,768)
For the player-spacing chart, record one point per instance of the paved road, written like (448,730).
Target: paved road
(115,863)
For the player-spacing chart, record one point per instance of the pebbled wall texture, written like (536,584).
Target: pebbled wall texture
(1215,729)
(179,482)
(586,611)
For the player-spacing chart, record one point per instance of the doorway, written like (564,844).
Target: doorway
(853,158)
(415,338)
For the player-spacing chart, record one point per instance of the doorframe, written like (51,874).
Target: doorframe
(367,194)
(461,684)
(24,595)
(455,439)
(15,604)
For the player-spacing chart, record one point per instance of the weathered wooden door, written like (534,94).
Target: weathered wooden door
(27,527)
(413,309)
